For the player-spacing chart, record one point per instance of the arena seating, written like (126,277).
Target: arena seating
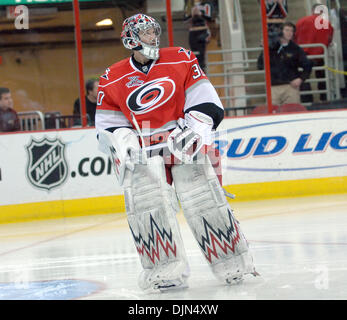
(263,109)
(292,107)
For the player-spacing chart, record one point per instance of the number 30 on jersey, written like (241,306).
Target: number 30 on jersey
(197,71)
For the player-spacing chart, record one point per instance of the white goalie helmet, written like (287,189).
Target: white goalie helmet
(136,26)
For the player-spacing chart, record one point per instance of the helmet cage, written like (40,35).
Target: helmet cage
(133,26)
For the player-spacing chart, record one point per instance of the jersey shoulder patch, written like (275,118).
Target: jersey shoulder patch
(117,69)
(175,54)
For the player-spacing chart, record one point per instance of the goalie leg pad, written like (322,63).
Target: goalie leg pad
(151,206)
(212,221)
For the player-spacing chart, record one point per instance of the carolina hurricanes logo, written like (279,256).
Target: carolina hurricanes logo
(157,239)
(151,95)
(214,239)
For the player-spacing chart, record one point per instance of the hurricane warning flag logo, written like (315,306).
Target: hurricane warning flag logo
(157,244)
(47,167)
(151,95)
(216,242)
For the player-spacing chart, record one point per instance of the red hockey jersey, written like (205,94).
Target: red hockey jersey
(307,33)
(173,84)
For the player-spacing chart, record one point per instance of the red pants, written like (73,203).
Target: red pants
(214,157)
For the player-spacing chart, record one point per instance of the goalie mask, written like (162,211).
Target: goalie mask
(135,32)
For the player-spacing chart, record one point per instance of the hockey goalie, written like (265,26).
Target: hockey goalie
(156,114)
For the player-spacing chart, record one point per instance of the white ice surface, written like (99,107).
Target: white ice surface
(299,247)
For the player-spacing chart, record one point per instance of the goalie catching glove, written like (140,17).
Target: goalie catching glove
(191,133)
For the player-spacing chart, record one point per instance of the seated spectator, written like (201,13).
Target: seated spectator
(91,96)
(9,120)
(286,57)
(314,29)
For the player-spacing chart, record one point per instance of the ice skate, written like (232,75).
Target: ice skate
(172,276)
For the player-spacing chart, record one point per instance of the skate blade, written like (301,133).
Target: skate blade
(165,286)
(234,281)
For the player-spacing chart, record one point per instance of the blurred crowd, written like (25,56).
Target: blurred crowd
(290,65)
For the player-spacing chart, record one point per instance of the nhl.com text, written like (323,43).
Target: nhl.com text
(176,310)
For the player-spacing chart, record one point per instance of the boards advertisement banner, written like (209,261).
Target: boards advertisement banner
(54,165)
(262,157)
(283,147)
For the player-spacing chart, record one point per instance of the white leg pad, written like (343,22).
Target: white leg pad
(151,206)
(212,222)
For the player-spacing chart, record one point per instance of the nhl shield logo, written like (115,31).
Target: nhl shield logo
(47,167)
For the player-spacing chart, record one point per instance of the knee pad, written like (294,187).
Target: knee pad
(151,206)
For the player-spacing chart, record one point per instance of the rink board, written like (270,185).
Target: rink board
(60,173)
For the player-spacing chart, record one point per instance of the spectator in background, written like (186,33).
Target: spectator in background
(207,8)
(286,57)
(314,29)
(276,14)
(276,11)
(199,35)
(91,96)
(9,120)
